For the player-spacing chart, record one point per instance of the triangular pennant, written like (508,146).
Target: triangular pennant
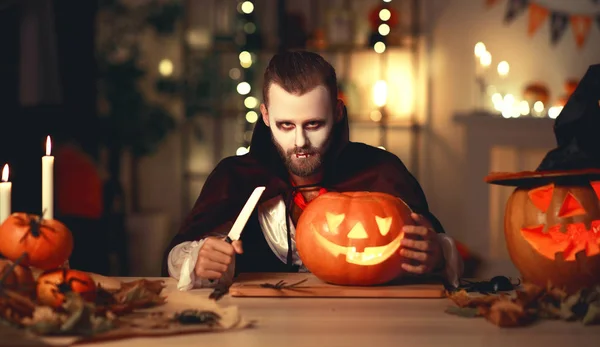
(581,28)
(514,8)
(537,16)
(558,25)
(491,3)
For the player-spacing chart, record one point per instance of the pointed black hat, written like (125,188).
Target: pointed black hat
(577,131)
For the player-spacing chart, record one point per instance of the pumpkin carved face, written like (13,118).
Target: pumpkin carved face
(553,233)
(353,238)
(52,285)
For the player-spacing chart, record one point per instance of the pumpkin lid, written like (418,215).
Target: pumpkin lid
(577,132)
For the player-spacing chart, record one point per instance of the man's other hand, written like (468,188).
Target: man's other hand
(214,257)
(420,247)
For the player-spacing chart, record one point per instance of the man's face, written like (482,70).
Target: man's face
(300,126)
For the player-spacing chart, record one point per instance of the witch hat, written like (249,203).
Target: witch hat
(577,132)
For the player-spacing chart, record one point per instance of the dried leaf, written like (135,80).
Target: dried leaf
(592,315)
(529,294)
(508,314)
(154,286)
(548,310)
(132,295)
(463,299)
(14,307)
(77,318)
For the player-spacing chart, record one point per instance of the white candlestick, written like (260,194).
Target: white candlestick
(5,195)
(48,182)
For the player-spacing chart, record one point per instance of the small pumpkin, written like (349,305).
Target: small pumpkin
(16,277)
(52,286)
(353,238)
(536,92)
(47,242)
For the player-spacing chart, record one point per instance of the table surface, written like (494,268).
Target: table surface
(365,322)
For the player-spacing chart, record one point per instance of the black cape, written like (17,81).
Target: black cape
(349,166)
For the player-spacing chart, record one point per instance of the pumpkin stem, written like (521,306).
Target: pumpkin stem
(34,226)
(12,268)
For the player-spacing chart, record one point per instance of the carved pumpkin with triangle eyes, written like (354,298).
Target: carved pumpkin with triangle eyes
(553,233)
(353,238)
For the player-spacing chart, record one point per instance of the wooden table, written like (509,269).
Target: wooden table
(291,322)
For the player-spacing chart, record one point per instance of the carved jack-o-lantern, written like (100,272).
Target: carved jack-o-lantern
(552,219)
(553,233)
(353,238)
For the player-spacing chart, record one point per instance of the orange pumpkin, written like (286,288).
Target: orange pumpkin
(47,242)
(16,277)
(54,284)
(536,92)
(553,233)
(353,238)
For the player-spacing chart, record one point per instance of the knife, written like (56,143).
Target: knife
(235,232)
(242,219)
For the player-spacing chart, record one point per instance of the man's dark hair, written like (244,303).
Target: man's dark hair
(299,72)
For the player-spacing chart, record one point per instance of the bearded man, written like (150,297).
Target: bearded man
(300,150)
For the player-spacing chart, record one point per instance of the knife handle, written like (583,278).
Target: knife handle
(228,240)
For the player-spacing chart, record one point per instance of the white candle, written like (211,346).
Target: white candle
(5,192)
(48,182)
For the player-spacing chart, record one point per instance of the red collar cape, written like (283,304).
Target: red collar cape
(299,198)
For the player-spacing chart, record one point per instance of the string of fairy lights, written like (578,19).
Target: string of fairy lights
(247,57)
(383,29)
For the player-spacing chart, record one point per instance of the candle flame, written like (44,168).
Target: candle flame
(48,145)
(5,173)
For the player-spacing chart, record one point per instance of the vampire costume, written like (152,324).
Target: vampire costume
(348,166)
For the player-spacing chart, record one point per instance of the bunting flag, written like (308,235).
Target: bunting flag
(514,9)
(537,16)
(581,28)
(491,3)
(581,24)
(558,25)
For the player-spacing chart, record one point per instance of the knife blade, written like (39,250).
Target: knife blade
(234,234)
(242,219)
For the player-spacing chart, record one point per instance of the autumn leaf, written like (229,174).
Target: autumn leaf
(548,310)
(463,299)
(592,315)
(529,294)
(507,314)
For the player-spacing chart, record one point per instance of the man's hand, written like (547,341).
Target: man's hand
(420,247)
(214,257)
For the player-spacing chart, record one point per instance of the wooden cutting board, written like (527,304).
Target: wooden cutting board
(249,285)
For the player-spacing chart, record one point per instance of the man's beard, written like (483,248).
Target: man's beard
(302,167)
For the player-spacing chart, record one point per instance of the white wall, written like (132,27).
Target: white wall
(455,27)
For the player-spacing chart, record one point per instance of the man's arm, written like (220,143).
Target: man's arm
(400,182)
(213,214)
(183,257)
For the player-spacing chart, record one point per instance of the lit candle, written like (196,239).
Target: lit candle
(5,190)
(48,182)
(503,68)
(479,50)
